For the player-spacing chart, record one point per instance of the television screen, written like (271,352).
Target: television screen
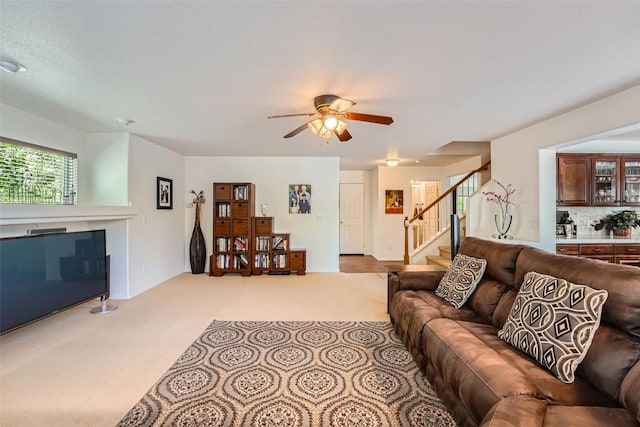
(43,274)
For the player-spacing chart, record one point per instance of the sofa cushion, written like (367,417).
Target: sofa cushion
(611,355)
(461,279)
(578,393)
(554,321)
(630,392)
(476,373)
(501,258)
(410,310)
(620,281)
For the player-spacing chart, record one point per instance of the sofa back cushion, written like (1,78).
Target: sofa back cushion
(498,279)
(621,282)
(501,258)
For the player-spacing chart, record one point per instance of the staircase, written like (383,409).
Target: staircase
(443,259)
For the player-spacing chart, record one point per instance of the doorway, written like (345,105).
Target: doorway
(352,219)
(423,193)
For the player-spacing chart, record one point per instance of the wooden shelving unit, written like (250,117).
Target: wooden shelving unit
(272,252)
(234,207)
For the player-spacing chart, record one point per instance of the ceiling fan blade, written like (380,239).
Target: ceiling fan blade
(343,136)
(341,105)
(290,115)
(383,120)
(297,130)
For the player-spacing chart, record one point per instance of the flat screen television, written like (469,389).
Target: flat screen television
(43,274)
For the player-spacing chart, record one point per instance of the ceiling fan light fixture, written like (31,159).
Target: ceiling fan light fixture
(317,127)
(392,162)
(341,127)
(330,122)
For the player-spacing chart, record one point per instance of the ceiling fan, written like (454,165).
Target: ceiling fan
(330,115)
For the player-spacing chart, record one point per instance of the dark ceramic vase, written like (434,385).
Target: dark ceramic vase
(197,248)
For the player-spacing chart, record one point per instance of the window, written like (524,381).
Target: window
(31,174)
(465,189)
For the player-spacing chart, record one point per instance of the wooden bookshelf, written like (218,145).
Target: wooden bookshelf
(233,208)
(272,251)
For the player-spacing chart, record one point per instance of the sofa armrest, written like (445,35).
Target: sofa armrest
(414,280)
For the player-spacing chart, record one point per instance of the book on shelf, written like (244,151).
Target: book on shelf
(222,244)
(240,261)
(262,243)
(240,243)
(240,192)
(262,261)
(279,243)
(222,261)
(223,210)
(280,261)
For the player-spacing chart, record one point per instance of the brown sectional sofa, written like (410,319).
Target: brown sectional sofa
(485,381)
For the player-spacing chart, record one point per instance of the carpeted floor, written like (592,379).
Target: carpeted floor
(298,373)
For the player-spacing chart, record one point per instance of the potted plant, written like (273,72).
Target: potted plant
(620,223)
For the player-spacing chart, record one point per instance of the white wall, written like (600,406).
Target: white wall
(156,237)
(108,154)
(318,232)
(515,159)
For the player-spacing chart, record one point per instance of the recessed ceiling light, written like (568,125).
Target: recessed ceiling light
(125,122)
(418,161)
(392,162)
(11,66)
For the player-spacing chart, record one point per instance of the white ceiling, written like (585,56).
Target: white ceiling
(201,77)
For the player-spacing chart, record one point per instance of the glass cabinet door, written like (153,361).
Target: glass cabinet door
(631,182)
(605,182)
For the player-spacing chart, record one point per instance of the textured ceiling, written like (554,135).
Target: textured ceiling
(201,77)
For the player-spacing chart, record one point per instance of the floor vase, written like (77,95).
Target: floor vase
(197,248)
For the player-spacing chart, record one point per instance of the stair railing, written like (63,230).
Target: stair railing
(445,206)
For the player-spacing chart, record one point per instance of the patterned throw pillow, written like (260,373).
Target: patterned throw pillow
(461,279)
(554,322)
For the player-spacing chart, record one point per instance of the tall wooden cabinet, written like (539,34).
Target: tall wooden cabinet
(234,207)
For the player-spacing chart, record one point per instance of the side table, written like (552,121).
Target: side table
(393,269)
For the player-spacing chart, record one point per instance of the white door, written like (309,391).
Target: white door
(352,218)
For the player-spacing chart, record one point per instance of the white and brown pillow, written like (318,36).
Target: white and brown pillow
(461,279)
(554,322)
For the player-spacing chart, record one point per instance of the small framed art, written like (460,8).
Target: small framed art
(393,202)
(164,193)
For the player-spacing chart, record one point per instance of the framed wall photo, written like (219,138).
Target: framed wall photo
(393,202)
(164,193)
(299,198)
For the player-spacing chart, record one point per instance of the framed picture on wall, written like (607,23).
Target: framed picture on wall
(164,193)
(299,198)
(393,202)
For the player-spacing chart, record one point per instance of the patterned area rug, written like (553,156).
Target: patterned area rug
(292,374)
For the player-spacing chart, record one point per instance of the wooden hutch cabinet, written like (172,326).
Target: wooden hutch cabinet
(573,180)
(232,228)
(598,180)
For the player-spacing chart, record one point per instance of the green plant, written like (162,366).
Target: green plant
(618,221)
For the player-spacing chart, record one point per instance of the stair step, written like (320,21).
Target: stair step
(445,251)
(439,260)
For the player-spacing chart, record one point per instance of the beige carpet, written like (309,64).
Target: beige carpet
(80,369)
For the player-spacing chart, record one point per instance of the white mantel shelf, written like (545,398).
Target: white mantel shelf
(42,214)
